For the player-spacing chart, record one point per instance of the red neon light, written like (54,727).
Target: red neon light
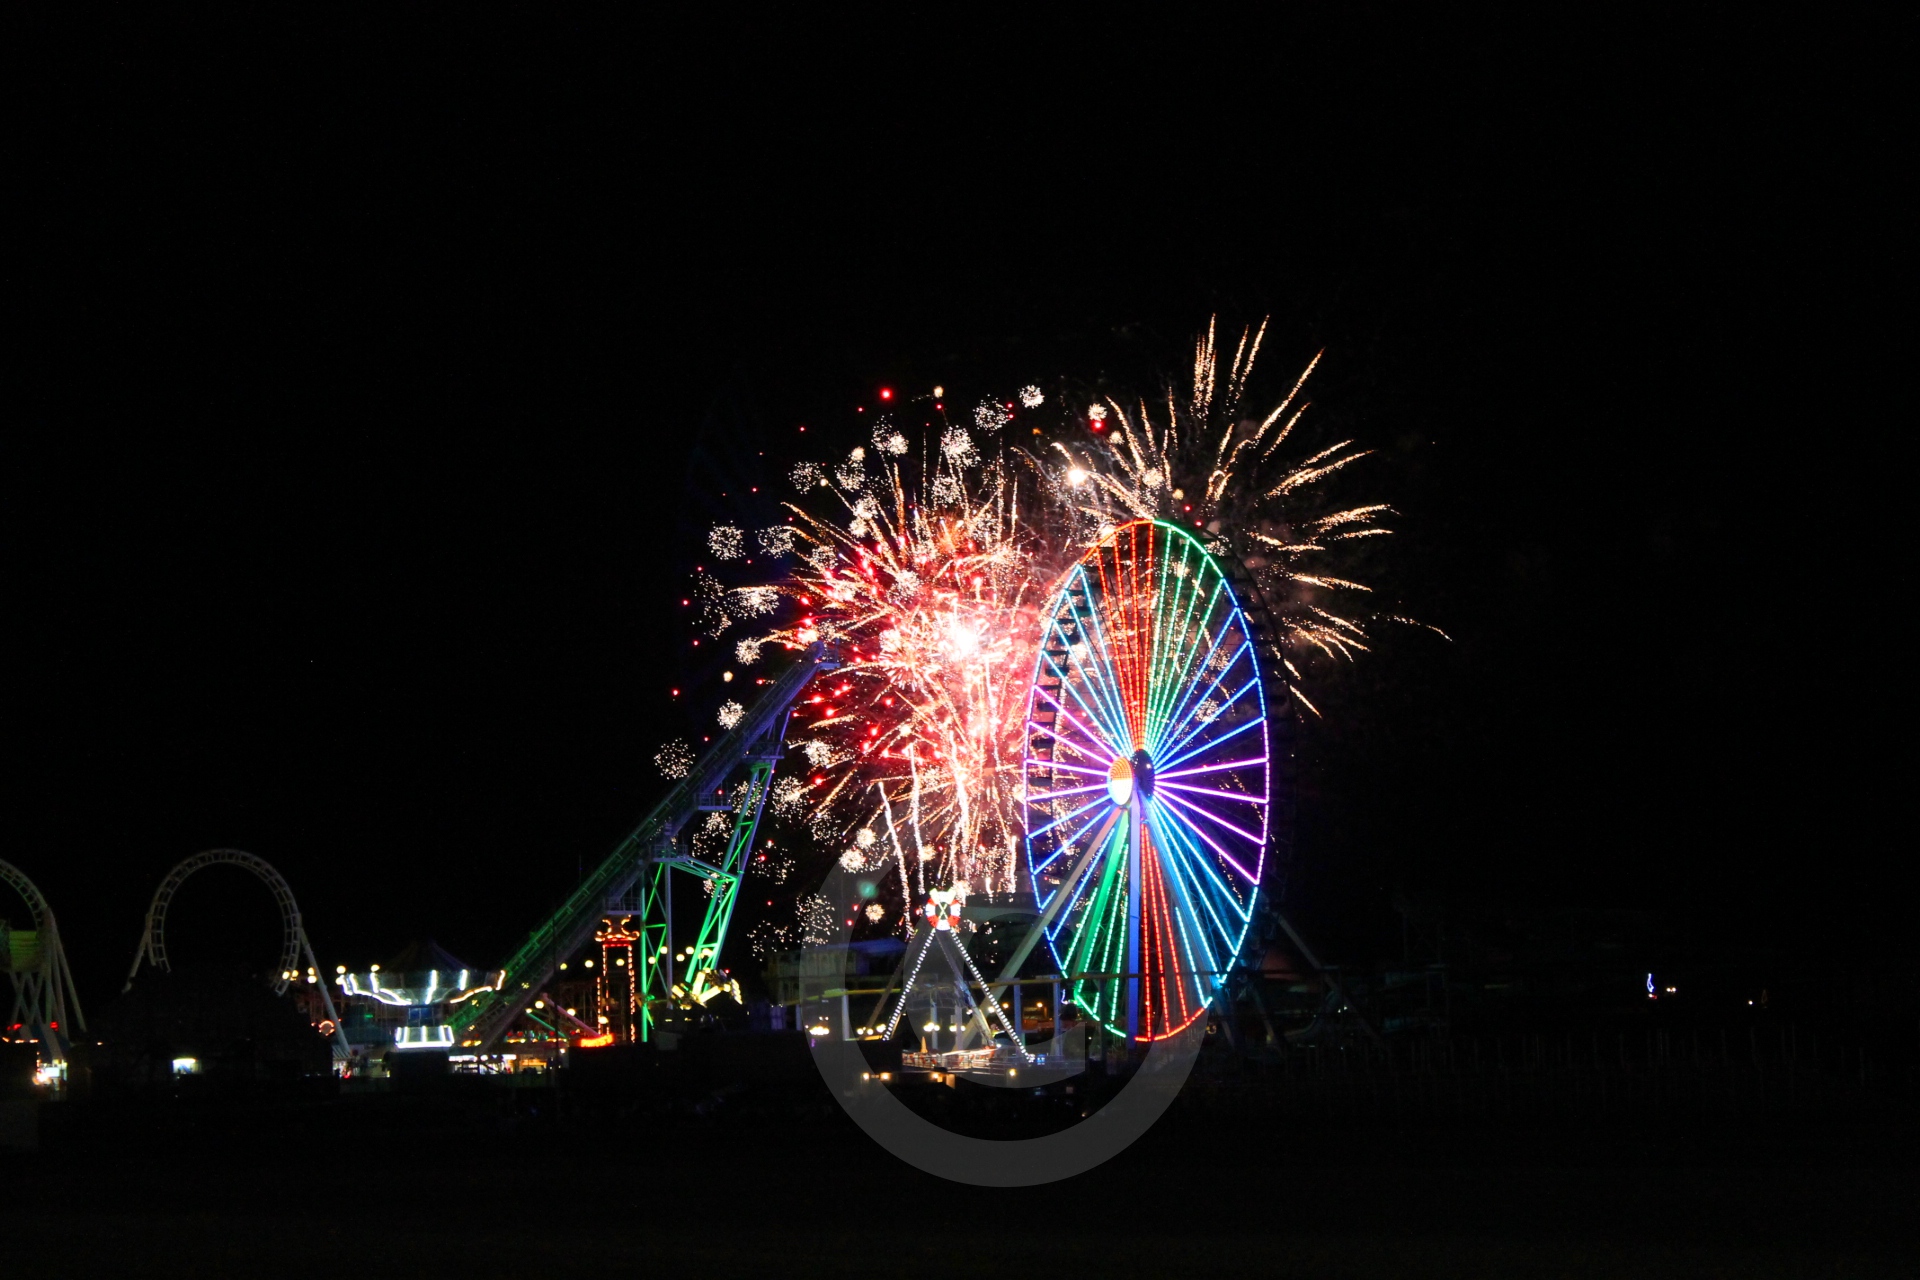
(600,1041)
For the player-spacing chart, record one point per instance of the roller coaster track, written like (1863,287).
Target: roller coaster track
(637,873)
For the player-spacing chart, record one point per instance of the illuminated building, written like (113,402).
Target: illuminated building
(617,997)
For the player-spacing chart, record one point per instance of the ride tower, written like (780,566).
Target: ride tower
(617,999)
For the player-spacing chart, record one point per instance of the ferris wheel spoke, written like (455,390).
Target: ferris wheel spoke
(1202,966)
(1225,707)
(1126,597)
(1089,736)
(1185,932)
(1163,774)
(1197,694)
(1139,599)
(1156,946)
(1214,625)
(1162,630)
(1071,791)
(1097,664)
(1115,667)
(1066,818)
(1096,714)
(1108,673)
(1182,688)
(1214,845)
(1238,796)
(1251,837)
(1075,768)
(1073,743)
(1183,655)
(1084,889)
(1199,709)
(1099,932)
(1089,674)
(1215,743)
(1197,869)
(1070,842)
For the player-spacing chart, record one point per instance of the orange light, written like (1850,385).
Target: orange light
(600,1041)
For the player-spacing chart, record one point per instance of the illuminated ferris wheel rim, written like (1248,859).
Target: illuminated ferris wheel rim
(1147,711)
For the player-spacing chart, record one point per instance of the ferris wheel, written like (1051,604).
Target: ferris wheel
(1146,779)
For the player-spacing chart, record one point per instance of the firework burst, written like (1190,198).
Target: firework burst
(1201,461)
(927,580)
(926,566)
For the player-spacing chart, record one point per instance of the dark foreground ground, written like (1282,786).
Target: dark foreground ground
(780,1183)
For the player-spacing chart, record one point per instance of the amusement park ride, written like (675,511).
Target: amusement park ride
(1150,791)
(1156,780)
(46,1007)
(294,946)
(1153,780)
(634,884)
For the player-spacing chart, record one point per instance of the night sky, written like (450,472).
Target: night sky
(358,377)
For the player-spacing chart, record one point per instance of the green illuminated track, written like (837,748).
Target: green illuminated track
(652,846)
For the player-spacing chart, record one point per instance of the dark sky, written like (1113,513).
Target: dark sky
(347,458)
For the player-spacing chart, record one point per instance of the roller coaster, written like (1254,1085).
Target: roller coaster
(1156,783)
(46,1006)
(635,882)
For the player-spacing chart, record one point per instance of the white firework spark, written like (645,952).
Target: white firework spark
(753,602)
(958,447)
(674,759)
(914,745)
(807,475)
(1197,461)
(990,416)
(929,586)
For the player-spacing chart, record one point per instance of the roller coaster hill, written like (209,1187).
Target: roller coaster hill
(1150,766)
(607,968)
(614,965)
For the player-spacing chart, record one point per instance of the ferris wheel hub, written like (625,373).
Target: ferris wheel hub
(1130,774)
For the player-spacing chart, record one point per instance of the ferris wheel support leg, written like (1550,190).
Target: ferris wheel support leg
(1333,979)
(1136,858)
(1068,887)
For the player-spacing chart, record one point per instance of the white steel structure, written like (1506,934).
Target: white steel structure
(46,1007)
(294,946)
